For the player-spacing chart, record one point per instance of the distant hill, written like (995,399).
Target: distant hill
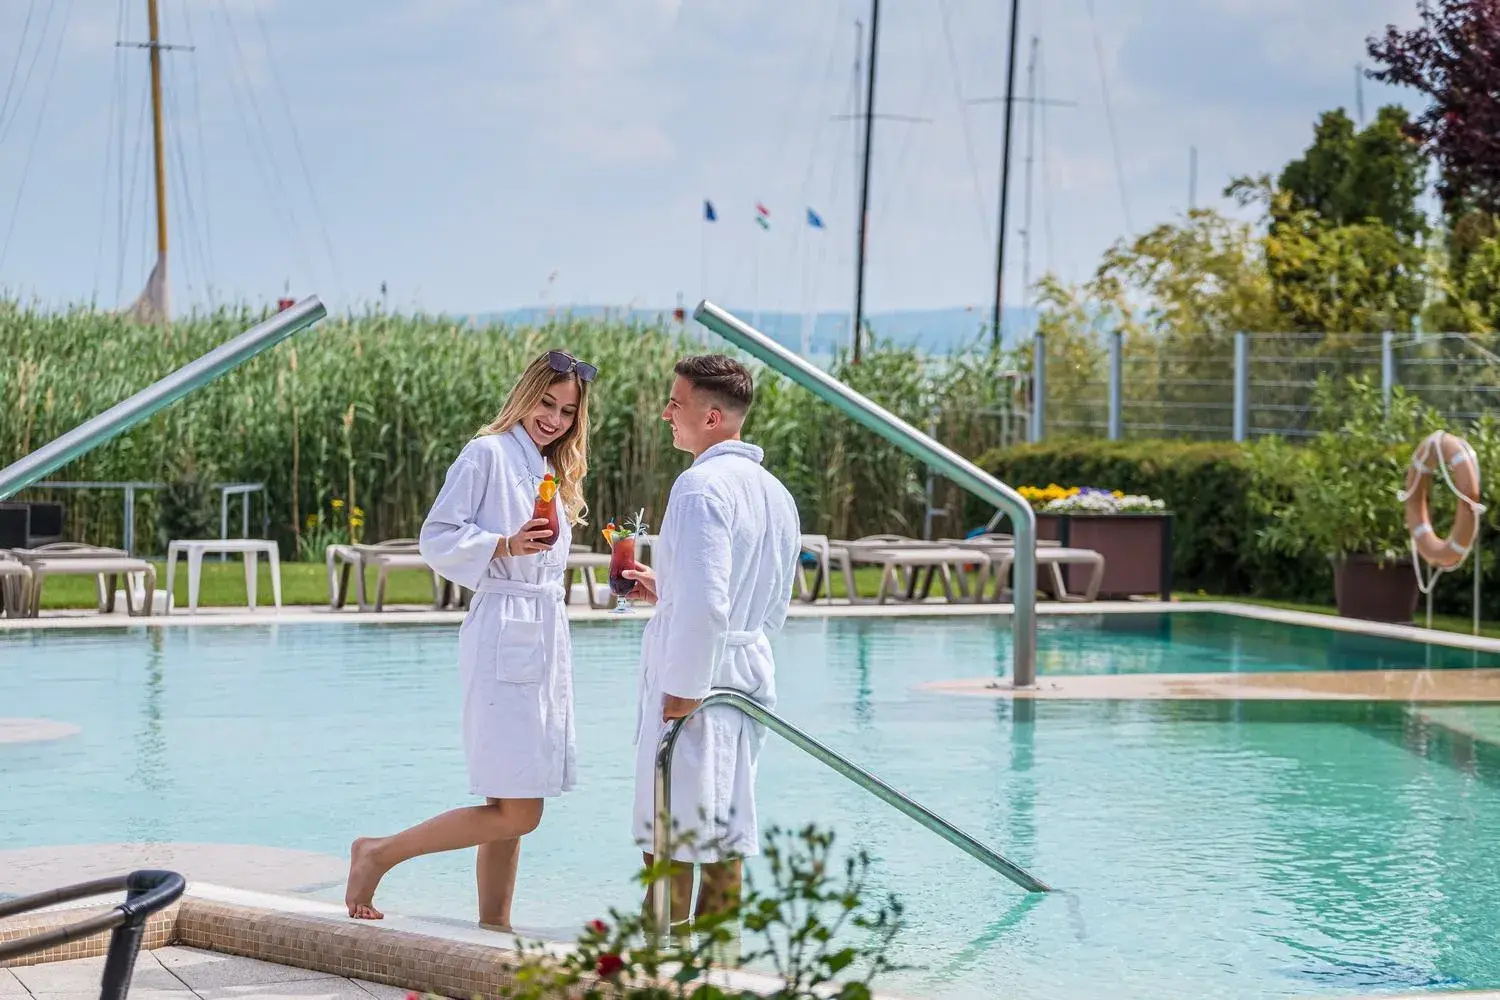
(933,331)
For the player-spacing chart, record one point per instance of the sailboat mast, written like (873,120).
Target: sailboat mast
(1010,107)
(153,305)
(864,186)
(156,129)
(856,91)
(1031,100)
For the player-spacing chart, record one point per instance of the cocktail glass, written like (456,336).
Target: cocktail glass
(546,509)
(621,558)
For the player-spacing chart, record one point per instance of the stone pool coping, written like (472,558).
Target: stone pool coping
(936,608)
(423,955)
(448,959)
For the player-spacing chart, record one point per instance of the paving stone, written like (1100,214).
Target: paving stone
(83,975)
(208,970)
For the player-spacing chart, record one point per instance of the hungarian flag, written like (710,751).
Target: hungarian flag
(762,216)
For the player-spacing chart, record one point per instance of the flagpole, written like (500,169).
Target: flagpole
(756,290)
(703,273)
(806,307)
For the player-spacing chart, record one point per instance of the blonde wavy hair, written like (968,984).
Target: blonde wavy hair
(569,454)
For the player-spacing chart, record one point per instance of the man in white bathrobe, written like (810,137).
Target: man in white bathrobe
(722,580)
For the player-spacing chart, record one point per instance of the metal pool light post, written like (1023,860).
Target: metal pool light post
(159,395)
(946,462)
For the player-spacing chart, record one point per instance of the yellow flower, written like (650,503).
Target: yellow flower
(356,522)
(1118,494)
(336,503)
(312,520)
(357,512)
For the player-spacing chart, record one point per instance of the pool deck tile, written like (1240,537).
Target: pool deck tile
(83,975)
(248,866)
(303,989)
(177,973)
(380,991)
(209,971)
(1466,685)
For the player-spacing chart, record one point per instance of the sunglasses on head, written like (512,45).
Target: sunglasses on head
(564,363)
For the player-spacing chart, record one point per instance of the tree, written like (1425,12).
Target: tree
(1343,227)
(1359,278)
(1454,59)
(1347,177)
(1201,277)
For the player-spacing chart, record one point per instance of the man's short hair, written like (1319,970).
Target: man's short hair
(728,382)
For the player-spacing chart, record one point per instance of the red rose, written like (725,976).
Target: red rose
(609,965)
(598,926)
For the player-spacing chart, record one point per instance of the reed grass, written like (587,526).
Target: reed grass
(371,409)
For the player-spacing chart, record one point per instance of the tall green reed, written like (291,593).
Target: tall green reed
(371,409)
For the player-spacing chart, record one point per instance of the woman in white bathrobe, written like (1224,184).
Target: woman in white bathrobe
(513,647)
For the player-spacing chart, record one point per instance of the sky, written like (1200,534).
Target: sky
(479,155)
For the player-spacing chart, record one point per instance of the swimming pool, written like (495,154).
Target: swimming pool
(1208,849)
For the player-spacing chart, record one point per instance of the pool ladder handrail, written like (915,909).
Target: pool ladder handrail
(940,459)
(159,395)
(759,713)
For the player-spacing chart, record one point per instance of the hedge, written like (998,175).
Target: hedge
(1208,486)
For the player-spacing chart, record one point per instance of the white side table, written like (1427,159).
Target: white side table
(250,548)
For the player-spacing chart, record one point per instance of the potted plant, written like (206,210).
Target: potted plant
(815,926)
(1131,531)
(1337,498)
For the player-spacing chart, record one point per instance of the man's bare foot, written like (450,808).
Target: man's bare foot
(364,876)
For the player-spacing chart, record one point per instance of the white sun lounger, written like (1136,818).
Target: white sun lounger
(98,566)
(395,554)
(816,546)
(58,552)
(902,561)
(1053,558)
(15,587)
(582,563)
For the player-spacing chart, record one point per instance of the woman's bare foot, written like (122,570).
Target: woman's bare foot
(503,928)
(364,876)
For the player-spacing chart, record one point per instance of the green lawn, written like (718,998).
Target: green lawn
(301,583)
(307,583)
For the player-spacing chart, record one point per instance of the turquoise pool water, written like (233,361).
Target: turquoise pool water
(1208,850)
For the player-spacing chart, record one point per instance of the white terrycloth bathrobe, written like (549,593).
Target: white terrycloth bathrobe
(724,561)
(514,653)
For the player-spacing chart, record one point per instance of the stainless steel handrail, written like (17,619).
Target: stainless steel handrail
(946,462)
(662,828)
(159,395)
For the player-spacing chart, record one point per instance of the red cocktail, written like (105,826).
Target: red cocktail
(546,508)
(622,558)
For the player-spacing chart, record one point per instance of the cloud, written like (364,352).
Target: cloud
(469,146)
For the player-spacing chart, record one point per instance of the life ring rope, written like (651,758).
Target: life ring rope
(1431,449)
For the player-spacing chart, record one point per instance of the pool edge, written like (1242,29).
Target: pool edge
(935,609)
(412,953)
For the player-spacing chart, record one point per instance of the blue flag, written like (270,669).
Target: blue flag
(709,214)
(814,220)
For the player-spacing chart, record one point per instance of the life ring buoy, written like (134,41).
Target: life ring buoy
(1455,459)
